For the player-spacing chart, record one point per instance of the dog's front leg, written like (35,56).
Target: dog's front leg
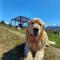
(39,55)
(29,56)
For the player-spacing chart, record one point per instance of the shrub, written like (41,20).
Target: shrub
(2,22)
(56,32)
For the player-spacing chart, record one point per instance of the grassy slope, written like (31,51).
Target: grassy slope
(8,40)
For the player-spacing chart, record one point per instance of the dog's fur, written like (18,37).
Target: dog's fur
(34,48)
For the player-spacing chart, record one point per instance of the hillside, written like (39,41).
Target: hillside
(10,37)
(53,28)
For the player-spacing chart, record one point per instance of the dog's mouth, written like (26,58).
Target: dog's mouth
(34,38)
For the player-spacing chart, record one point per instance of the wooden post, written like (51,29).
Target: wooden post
(11,22)
(14,23)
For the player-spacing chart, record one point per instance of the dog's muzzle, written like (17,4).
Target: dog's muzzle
(35,31)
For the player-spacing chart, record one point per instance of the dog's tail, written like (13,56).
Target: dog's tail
(52,42)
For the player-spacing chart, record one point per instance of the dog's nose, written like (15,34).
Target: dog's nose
(35,31)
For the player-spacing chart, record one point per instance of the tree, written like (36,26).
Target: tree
(2,22)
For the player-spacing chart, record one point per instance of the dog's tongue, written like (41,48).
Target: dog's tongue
(34,37)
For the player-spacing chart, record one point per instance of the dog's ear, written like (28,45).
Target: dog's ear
(42,23)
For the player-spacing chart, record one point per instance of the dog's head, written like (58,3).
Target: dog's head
(34,32)
(35,26)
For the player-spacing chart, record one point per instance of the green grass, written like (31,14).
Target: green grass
(54,37)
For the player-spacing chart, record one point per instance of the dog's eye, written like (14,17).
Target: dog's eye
(32,23)
(40,24)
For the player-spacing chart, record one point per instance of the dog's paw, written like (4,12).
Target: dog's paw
(29,56)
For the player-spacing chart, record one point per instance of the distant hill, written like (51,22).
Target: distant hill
(53,28)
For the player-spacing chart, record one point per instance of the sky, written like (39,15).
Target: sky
(47,10)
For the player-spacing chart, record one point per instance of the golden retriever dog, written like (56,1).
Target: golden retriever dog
(36,40)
